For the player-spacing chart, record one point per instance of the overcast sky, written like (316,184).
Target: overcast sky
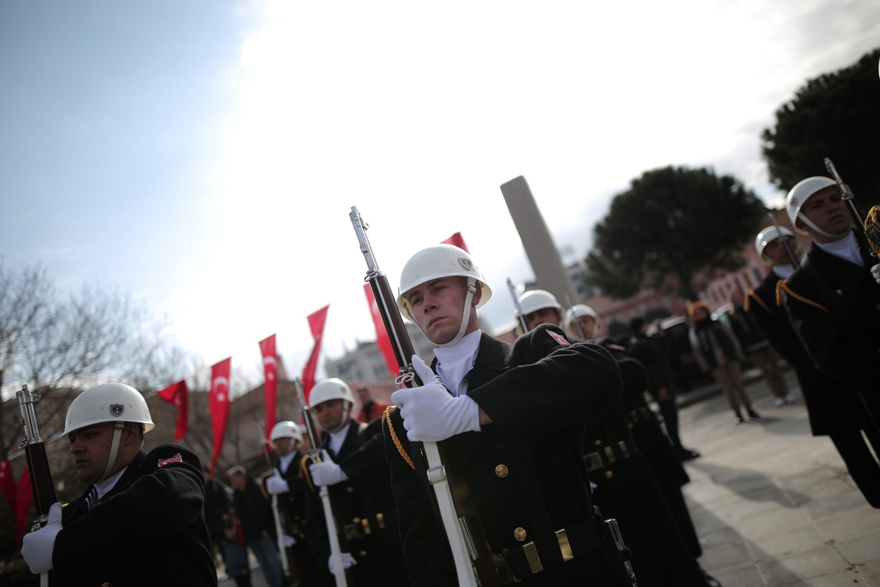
(204,155)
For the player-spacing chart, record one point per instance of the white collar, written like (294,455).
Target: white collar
(783,271)
(103,487)
(455,361)
(284,462)
(846,248)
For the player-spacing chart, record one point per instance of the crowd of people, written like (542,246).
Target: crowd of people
(564,473)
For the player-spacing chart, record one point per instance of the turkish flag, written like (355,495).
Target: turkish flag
(316,324)
(457,240)
(24,496)
(382,338)
(177,394)
(218,404)
(7,483)
(270,367)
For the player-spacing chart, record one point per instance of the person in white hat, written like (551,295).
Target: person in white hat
(141,519)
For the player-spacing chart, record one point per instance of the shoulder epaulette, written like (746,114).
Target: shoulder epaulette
(386,420)
(782,286)
(747,304)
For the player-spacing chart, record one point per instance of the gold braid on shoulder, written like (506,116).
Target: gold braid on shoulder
(783,285)
(750,295)
(386,420)
(872,228)
(304,471)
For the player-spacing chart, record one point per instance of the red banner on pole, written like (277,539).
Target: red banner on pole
(316,324)
(24,496)
(177,394)
(270,367)
(218,404)
(382,339)
(457,240)
(7,483)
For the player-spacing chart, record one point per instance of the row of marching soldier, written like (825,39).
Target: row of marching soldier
(550,438)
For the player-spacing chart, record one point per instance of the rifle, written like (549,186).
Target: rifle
(474,562)
(37,461)
(519,313)
(276,512)
(854,211)
(337,539)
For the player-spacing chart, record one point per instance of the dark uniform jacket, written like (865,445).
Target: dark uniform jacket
(254,512)
(830,404)
(628,490)
(364,507)
(217,505)
(525,472)
(148,530)
(846,353)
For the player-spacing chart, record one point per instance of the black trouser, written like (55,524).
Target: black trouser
(862,465)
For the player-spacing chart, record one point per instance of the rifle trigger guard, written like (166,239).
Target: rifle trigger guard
(404,378)
(22,444)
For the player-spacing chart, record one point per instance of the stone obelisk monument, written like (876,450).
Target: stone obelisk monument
(550,273)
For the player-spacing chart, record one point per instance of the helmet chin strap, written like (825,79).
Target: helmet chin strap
(114,449)
(344,421)
(809,223)
(472,289)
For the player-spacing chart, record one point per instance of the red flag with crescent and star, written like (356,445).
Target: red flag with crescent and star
(218,404)
(177,394)
(382,339)
(270,367)
(24,497)
(457,240)
(316,324)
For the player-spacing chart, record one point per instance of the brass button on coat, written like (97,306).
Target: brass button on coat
(609,474)
(519,534)
(350,489)
(598,442)
(501,471)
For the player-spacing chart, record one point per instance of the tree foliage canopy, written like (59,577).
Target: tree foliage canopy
(835,115)
(669,227)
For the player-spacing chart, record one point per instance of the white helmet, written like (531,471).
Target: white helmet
(436,262)
(576,312)
(329,389)
(108,402)
(538,299)
(286,429)
(767,236)
(799,194)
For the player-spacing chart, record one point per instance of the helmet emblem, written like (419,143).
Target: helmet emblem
(117,409)
(792,201)
(466,263)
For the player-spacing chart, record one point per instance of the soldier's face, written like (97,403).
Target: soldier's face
(329,413)
(827,211)
(283,445)
(437,307)
(588,326)
(90,449)
(542,316)
(775,251)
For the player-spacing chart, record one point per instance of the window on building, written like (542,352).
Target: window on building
(748,279)
(758,276)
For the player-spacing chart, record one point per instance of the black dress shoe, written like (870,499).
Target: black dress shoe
(737,417)
(753,414)
(708,579)
(686,454)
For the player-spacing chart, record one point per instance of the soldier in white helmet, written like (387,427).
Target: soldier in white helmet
(835,409)
(833,298)
(140,509)
(514,422)
(354,469)
(288,483)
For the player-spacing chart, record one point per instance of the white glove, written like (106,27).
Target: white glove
(327,472)
(875,271)
(37,547)
(430,413)
(347,562)
(275,484)
(288,541)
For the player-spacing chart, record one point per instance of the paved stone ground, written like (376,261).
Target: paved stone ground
(773,505)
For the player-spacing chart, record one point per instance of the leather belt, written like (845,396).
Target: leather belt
(610,454)
(548,552)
